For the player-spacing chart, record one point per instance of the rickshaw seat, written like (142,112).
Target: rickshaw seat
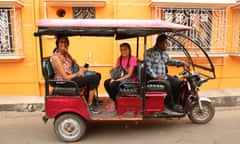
(60,87)
(152,85)
(156,86)
(133,88)
(129,90)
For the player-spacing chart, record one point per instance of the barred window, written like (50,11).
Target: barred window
(10,31)
(84,12)
(209,24)
(6,38)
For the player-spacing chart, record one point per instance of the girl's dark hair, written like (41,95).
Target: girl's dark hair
(128,46)
(130,53)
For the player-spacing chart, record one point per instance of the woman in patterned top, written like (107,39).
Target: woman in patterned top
(62,63)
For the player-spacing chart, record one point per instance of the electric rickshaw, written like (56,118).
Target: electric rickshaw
(143,99)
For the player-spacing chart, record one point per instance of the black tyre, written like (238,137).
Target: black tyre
(201,116)
(69,127)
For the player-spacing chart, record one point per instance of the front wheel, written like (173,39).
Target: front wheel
(69,127)
(196,115)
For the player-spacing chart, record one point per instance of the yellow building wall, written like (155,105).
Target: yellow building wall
(21,77)
(228,75)
(24,77)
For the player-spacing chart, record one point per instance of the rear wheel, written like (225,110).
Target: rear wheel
(196,115)
(69,127)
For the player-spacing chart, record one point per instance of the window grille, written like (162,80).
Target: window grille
(208,24)
(84,12)
(6,38)
(10,31)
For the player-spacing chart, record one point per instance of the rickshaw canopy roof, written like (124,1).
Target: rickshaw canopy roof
(121,28)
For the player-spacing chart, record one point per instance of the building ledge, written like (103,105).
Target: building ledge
(217,54)
(11,3)
(235,55)
(76,3)
(101,65)
(212,3)
(11,57)
(210,54)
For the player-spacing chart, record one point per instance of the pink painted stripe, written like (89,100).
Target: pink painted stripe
(156,94)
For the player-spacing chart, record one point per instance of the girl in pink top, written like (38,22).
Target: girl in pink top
(129,62)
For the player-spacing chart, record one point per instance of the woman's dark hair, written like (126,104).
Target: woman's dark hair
(130,53)
(58,37)
(160,38)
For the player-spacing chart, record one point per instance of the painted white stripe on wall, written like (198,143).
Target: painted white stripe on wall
(197,1)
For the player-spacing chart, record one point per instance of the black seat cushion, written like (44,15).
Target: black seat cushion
(156,86)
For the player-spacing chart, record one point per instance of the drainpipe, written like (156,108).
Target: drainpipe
(39,80)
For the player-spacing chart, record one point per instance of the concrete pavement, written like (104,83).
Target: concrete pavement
(219,97)
(223,97)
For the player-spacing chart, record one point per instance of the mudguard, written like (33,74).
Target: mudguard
(204,99)
(199,100)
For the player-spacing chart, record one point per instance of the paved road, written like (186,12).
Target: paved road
(27,128)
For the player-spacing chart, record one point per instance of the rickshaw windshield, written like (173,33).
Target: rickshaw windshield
(197,57)
(130,28)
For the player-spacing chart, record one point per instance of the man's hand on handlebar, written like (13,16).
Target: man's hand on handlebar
(186,65)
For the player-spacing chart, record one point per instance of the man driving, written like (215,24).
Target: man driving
(157,60)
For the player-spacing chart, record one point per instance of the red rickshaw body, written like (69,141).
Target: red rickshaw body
(57,105)
(154,103)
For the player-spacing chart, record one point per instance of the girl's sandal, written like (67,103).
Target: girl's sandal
(108,106)
(112,108)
